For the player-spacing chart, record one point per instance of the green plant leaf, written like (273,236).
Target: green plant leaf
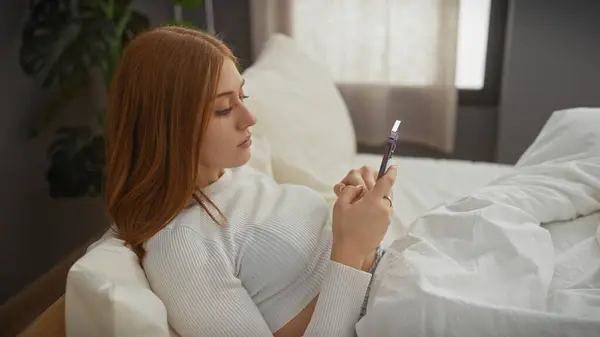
(188,3)
(183,23)
(120,8)
(62,41)
(137,24)
(62,95)
(77,163)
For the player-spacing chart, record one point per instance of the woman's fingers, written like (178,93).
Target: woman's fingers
(383,187)
(353,178)
(365,176)
(338,188)
(348,195)
(369,176)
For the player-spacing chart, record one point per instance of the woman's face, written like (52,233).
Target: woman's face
(226,141)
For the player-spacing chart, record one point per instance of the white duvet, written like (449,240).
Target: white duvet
(498,261)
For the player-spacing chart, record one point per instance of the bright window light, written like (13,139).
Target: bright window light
(474,16)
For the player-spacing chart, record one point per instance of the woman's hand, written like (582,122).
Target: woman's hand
(364,176)
(359,226)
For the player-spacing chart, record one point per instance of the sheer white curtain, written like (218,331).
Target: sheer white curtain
(392,59)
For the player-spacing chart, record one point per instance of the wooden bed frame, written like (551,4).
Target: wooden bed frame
(50,323)
(39,309)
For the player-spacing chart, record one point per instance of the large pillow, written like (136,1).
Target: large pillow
(260,158)
(302,114)
(107,294)
(568,134)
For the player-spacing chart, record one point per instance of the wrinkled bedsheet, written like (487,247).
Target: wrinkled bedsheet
(485,264)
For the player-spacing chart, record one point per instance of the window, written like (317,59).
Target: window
(473,28)
(405,43)
(479,50)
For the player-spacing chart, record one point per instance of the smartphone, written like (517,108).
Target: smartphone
(388,150)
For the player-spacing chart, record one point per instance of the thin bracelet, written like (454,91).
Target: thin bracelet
(378,257)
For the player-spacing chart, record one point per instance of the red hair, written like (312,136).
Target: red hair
(159,103)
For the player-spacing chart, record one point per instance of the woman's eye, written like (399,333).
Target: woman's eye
(228,110)
(224,111)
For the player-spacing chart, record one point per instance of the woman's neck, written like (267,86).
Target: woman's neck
(207,176)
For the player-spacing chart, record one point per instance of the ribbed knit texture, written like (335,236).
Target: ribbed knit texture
(258,271)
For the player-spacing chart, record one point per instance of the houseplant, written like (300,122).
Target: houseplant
(64,43)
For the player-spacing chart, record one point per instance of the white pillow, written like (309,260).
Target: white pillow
(568,134)
(303,115)
(107,294)
(260,158)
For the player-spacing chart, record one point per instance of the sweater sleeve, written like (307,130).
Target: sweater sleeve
(340,301)
(196,281)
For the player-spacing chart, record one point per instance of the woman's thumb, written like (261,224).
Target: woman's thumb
(338,188)
(350,193)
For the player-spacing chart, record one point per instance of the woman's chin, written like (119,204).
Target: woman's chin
(242,159)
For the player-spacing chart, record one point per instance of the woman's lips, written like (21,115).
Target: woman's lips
(247,142)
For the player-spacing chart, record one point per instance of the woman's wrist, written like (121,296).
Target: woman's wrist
(369,261)
(347,256)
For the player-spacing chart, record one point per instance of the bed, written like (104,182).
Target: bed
(519,256)
(424,183)
(305,136)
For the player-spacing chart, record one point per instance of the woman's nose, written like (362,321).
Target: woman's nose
(248,119)
(252,119)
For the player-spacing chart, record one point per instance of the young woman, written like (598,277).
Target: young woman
(228,250)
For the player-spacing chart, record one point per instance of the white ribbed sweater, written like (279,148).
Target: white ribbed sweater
(252,276)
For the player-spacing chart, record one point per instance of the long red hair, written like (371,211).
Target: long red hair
(159,103)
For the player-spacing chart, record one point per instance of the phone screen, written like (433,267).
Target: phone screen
(388,150)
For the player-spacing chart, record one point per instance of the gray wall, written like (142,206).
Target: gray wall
(36,230)
(34,227)
(476,129)
(552,62)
